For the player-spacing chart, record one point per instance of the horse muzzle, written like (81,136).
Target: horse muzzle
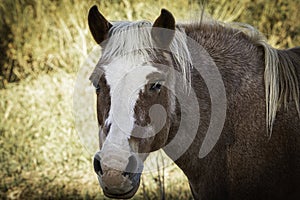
(116,183)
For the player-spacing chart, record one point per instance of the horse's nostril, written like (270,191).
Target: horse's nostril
(97,165)
(131,167)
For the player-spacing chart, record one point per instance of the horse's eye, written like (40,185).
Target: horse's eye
(97,89)
(155,86)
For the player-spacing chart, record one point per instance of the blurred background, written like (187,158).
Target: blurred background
(42,46)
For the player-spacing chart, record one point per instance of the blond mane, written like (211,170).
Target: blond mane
(281,82)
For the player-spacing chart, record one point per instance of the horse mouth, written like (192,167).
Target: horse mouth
(126,195)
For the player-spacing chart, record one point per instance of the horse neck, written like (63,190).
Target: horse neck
(245,61)
(234,55)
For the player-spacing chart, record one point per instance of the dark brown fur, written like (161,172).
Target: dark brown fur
(245,163)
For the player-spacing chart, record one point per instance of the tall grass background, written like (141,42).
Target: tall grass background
(42,46)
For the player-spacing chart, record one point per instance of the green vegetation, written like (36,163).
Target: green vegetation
(42,46)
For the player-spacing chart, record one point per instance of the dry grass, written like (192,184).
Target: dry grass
(42,155)
(43,43)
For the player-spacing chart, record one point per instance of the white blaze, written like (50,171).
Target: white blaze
(125,81)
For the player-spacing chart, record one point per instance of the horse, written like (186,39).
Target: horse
(149,88)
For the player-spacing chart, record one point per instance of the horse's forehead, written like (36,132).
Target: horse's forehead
(122,72)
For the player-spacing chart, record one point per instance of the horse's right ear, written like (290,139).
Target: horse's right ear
(99,26)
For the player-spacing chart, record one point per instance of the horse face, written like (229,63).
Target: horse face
(134,106)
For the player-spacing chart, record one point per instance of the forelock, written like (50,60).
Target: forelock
(133,41)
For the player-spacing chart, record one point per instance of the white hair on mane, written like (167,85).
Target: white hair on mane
(281,83)
(132,39)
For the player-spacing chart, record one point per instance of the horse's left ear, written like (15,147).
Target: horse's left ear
(163,28)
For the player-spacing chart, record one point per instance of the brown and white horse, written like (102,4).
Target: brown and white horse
(143,104)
